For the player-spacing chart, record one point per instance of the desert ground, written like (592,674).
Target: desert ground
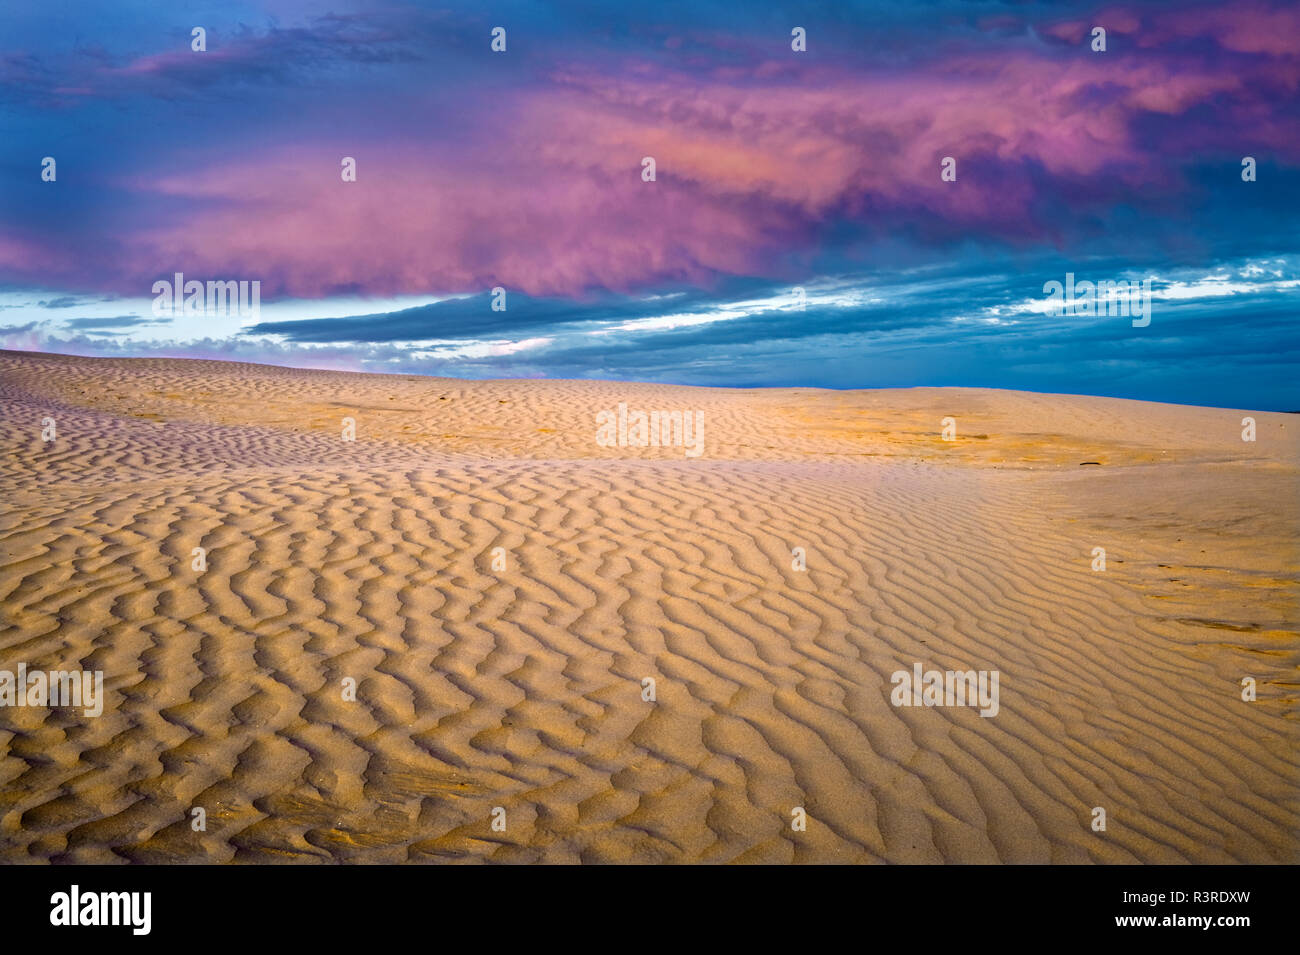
(497,585)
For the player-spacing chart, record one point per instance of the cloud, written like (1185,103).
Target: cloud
(768,165)
(118,321)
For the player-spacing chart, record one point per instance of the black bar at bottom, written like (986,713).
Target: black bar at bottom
(335,905)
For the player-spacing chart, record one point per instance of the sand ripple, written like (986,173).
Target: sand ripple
(521,688)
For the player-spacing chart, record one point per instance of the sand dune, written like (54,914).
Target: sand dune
(521,687)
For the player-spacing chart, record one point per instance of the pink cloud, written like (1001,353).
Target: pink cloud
(753,166)
(1243,27)
(559,206)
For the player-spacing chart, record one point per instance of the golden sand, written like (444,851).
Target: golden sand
(499,585)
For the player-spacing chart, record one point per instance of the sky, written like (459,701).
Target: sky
(797,231)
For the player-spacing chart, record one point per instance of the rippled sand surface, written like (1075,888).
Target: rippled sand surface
(499,585)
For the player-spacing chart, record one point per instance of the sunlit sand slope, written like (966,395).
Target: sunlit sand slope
(499,586)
